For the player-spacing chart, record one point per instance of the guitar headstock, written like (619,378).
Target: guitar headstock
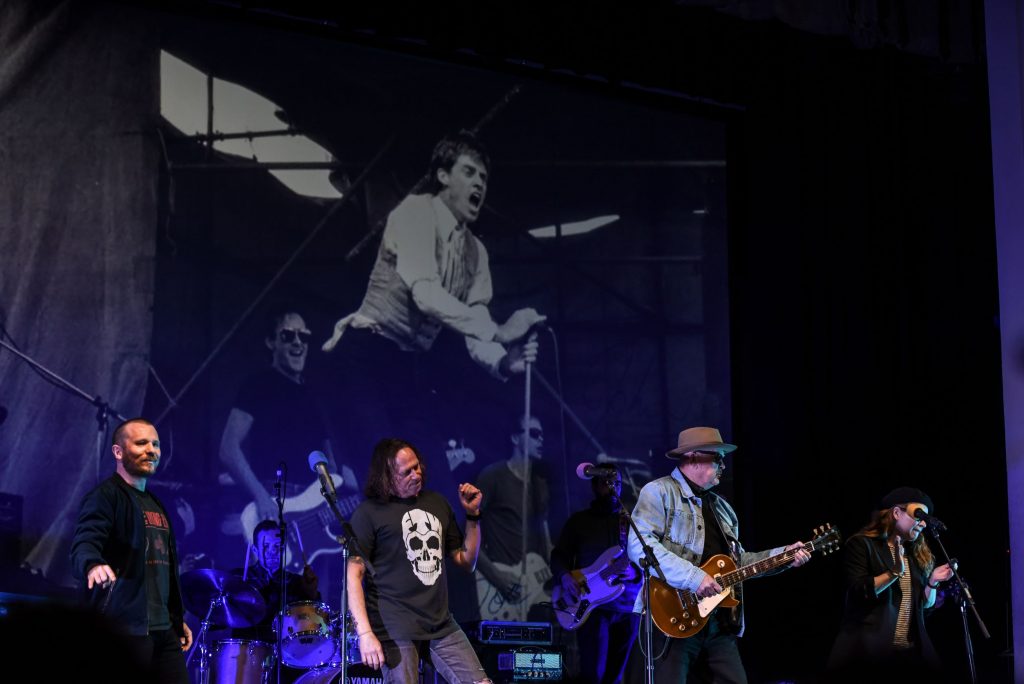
(826,539)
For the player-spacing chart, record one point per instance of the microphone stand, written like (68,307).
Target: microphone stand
(524,453)
(282,473)
(964,598)
(347,536)
(648,563)
(103,409)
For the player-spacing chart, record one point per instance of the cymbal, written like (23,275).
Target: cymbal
(239,605)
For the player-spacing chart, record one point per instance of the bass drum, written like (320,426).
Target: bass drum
(241,661)
(332,675)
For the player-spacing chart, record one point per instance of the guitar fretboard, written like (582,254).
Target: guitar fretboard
(760,567)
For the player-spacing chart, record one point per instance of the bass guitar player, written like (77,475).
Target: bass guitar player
(596,583)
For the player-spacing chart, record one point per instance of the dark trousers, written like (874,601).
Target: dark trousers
(604,642)
(711,655)
(160,653)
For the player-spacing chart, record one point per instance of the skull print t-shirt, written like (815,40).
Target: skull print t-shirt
(407,541)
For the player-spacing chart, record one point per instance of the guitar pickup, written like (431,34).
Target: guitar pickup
(581,609)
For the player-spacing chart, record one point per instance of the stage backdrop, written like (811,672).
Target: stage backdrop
(187,239)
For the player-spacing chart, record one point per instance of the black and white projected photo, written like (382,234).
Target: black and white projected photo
(271,245)
(358,342)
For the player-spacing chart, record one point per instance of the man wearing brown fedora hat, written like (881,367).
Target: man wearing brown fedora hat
(686,524)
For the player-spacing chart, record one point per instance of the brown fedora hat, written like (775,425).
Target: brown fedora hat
(700,439)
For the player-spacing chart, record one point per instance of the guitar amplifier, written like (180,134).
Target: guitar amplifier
(530,665)
(518,633)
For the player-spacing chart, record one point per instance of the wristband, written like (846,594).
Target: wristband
(474,518)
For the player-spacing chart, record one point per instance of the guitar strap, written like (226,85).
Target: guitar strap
(732,615)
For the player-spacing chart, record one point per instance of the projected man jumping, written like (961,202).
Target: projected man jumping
(432,272)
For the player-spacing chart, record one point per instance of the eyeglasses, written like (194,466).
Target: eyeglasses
(288,335)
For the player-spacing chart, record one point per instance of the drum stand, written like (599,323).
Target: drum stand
(204,651)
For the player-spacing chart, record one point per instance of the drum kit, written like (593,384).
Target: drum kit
(310,634)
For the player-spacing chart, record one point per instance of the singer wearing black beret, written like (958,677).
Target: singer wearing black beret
(891,582)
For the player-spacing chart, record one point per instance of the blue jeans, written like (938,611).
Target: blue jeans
(452,656)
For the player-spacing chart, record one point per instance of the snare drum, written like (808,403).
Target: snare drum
(240,661)
(306,637)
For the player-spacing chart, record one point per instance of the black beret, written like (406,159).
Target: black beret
(902,495)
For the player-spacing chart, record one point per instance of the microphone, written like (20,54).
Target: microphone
(318,464)
(934,524)
(588,471)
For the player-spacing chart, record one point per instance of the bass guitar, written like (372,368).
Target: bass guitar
(516,606)
(604,579)
(678,613)
(309,522)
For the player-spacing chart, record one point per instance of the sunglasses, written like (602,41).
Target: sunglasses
(536,432)
(288,335)
(718,458)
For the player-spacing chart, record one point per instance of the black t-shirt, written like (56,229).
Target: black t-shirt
(407,540)
(158,560)
(502,505)
(287,425)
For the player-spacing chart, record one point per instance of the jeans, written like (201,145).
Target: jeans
(452,656)
(711,655)
(604,642)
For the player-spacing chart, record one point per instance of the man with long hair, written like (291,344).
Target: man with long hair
(401,611)
(891,578)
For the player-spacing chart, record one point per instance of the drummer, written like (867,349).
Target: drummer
(265,578)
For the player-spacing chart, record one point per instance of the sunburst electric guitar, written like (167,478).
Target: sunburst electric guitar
(679,614)
(308,516)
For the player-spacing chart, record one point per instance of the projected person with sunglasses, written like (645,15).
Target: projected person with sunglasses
(276,418)
(504,591)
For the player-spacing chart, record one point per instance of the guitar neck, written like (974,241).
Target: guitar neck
(762,566)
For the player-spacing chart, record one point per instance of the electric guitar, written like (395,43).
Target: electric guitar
(309,515)
(603,578)
(678,613)
(495,606)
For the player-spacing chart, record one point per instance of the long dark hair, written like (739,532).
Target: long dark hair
(882,525)
(380,482)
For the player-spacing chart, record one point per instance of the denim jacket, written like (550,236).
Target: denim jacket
(669,517)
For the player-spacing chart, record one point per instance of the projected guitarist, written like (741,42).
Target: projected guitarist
(686,524)
(595,574)
(275,417)
(504,591)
